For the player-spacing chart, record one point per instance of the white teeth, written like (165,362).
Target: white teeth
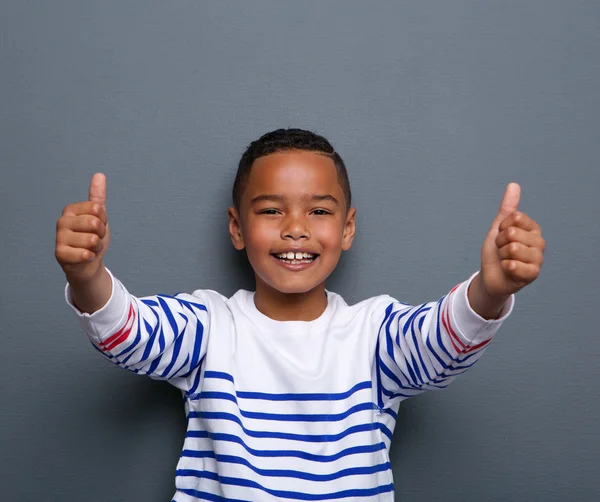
(290,255)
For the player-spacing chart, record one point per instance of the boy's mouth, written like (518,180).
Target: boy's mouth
(295,258)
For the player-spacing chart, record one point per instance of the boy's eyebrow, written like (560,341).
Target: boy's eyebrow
(328,197)
(268,197)
(282,198)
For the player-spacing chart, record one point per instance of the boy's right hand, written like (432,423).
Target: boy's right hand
(82,235)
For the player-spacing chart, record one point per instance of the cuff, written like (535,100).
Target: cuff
(110,317)
(471,327)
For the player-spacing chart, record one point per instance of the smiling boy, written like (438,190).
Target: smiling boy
(289,392)
(292,202)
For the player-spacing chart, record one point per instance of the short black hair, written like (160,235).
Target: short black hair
(282,140)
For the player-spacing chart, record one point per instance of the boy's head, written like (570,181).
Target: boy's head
(291,210)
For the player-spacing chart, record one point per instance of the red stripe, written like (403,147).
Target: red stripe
(446,323)
(479,345)
(121,335)
(448,330)
(118,333)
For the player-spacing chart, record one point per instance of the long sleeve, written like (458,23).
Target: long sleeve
(425,347)
(164,337)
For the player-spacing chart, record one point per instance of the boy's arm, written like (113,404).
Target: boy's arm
(164,337)
(425,347)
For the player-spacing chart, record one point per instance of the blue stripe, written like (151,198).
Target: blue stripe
(218,374)
(307,438)
(152,334)
(288,473)
(432,351)
(392,395)
(200,495)
(176,347)
(135,341)
(285,417)
(420,341)
(465,366)
(390,346)
(392,376)
(378,375)
(322,396)
(378,361)
(354,450)
(411,325)
(439,331)
(169,315)
(318,396)
(197,344)
(154,364)
(195,385)
(358,492)
(181,368)
(391,412)
(187,303)
(475,354)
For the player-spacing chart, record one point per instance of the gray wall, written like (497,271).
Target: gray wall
(434,105)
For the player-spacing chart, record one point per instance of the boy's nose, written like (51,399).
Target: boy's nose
(296,229)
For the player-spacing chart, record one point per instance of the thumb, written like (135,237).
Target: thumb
(509,204)
(98,189)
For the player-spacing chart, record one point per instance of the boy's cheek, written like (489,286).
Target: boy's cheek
(329,235)
(253,230)
(261,237)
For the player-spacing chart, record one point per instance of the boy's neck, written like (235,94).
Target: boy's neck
(290,306)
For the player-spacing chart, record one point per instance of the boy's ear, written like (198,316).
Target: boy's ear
(349,229)
(235,229)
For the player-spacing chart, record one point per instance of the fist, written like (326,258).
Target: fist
(82,234)
(513,250)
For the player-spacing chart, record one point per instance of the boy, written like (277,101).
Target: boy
(289,392)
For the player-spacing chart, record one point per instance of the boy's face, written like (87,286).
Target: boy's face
(293,203)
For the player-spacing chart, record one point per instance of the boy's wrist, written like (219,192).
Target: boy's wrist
(76,281)
(91,294)
(483,303)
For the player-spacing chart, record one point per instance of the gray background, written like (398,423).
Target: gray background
(434,106)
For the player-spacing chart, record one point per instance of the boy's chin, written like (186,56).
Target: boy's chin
(299,291)
(292,289)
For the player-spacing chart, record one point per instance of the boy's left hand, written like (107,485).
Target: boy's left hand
(513,250)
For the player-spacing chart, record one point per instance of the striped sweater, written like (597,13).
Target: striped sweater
(289,410)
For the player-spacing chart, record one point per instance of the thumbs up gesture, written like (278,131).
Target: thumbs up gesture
(513,250)
(82,234)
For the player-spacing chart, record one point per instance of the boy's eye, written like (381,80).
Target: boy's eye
(268,211)
(320,212)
